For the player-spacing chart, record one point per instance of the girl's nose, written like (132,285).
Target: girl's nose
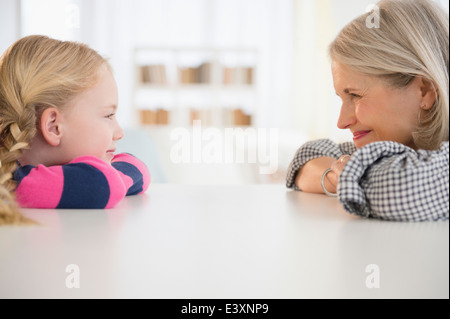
(118,133)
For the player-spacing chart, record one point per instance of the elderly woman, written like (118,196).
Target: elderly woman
(394,86)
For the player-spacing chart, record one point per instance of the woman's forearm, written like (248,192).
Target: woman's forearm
(309,177)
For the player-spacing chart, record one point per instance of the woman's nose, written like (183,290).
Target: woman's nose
(346,116)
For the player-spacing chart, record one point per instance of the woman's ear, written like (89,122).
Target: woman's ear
(51,126)
(429,93)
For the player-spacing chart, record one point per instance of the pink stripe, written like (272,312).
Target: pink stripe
(117,186)
(127,158)
(127,180)
(48,182)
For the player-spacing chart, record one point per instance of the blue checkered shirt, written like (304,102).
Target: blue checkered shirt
(385,180)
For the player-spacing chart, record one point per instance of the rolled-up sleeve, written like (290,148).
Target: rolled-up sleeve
(388,180)
(312,150)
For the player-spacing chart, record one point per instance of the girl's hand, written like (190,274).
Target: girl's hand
(337,168)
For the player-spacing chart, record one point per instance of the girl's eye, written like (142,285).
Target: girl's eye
(110,116)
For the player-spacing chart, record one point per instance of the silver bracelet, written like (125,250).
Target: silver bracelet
(323,186)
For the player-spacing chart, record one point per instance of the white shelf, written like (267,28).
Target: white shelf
(196,87)
(219,66)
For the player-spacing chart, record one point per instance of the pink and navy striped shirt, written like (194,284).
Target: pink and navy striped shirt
(85,182)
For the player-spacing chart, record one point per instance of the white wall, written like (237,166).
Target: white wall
(115,27)
(9,23)
(315,107)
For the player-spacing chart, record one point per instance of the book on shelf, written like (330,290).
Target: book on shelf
(148,117)
(238,75)
(154,117)
(227,117)
(162,117)
(200,115)
(197,75)
(156,74)
(240,118)
(153,74)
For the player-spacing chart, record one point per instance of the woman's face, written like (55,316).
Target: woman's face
(374,112)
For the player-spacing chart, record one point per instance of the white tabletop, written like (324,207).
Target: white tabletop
(181,241)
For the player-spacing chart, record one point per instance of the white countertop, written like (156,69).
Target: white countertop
(262,241)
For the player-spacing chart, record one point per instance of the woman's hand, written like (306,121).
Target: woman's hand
(309,177)
(336,169)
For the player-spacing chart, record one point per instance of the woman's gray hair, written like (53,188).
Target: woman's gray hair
(412,39)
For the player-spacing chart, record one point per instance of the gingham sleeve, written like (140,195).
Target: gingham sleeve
(312,150)
(387,180)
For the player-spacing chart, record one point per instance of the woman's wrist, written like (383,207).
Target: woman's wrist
(308,177)
(322,182)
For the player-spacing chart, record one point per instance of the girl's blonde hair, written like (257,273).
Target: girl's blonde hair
(412,39)
(36,72)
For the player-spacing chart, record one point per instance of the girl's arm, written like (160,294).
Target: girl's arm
(132,167)
(85,182)
(388,180)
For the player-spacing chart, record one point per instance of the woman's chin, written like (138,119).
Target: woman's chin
(361,144)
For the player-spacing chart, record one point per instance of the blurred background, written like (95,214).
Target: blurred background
(250,64)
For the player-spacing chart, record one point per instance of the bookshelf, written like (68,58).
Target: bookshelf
(175,86)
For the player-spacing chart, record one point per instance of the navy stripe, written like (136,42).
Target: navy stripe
(84,187)
(22,172)
(131,171)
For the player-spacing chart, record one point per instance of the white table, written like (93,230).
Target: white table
(180,241)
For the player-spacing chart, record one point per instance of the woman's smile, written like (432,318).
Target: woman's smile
(360,134)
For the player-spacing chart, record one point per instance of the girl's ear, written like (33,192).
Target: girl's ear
(51,126)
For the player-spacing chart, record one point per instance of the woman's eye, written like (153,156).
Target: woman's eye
(110,116)
(354,96)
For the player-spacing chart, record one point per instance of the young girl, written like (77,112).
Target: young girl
(58,131)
